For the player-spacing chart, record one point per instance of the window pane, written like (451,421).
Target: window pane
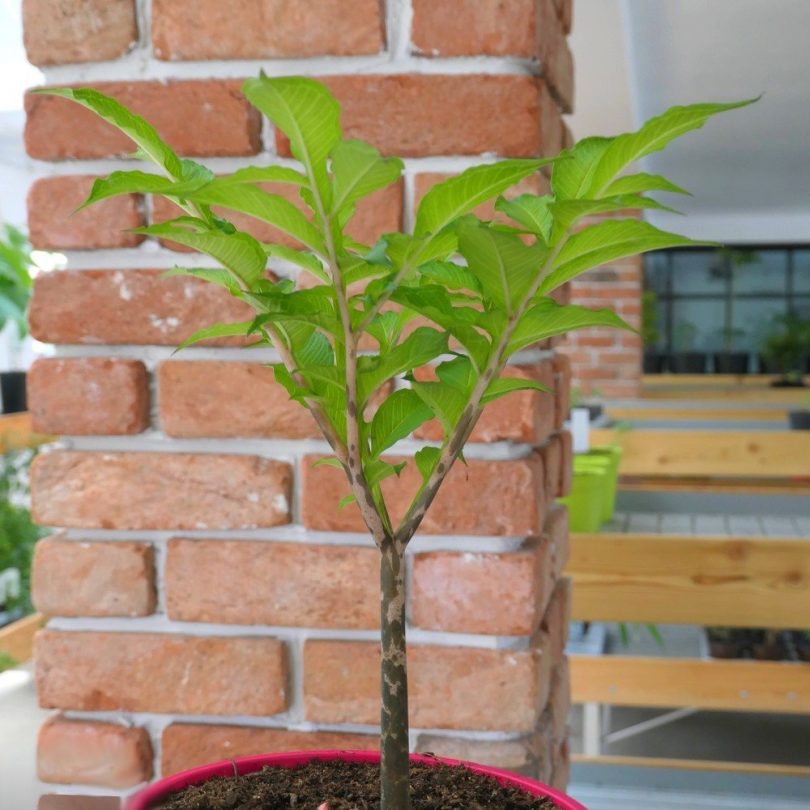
(695,271)
(656,272)
(754,320)
(801,270)
(759,271)
(696,324)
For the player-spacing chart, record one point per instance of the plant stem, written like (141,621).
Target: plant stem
(394,680)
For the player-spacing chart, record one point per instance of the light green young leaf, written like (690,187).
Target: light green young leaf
(426,460)
(567,212)
(264,174)
(506,385)
(329,461)
(547,319)
(358,169)
(237,251)
(216,331)
(654,135)
(501,262)
(213,275)
(572,175)
(451,275)
(308,114)
(607,242)
(531,211)
(641,182)
(446,402)
(346,500)
(271,208)
(137,182)
(398,416)
(377,470)
(409,251)
(449,200)
(385,328)
(143,134)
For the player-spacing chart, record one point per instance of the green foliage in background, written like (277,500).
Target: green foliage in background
(482,291)
(15,277)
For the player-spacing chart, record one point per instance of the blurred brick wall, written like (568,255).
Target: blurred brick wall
(207,600)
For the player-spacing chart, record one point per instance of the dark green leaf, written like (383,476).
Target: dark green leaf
(398,416)
(506,385)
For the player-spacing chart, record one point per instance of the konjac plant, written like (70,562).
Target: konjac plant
(461,293)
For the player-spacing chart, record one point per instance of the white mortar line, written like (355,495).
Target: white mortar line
(153,355)
(161,624)
(398,21)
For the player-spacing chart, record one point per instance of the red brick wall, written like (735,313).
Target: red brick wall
(196,552)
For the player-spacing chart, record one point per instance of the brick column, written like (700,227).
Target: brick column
(206,597)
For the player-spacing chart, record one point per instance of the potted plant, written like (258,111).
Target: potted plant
(686,360)
(785,350)
(15,290)
(799,418)
(654,361)
(725,266)
(477,314)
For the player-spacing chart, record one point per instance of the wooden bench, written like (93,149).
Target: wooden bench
(689,579)
(756,462)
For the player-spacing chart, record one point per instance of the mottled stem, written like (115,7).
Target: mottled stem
(394,675)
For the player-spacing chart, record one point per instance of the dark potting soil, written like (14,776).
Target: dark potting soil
(351,786)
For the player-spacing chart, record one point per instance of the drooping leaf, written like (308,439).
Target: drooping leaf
(138,182)
(531,211)
(502,263)
(641,182)
(506,385)
(426,460)
(607,242)
(142,133)
(264,174)
(215,331)
(654,135)
(237,251)
(546,318)
(308,114)
(398,416)
(358,169)
(449,200)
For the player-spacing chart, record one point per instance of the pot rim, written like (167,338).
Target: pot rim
(146,798)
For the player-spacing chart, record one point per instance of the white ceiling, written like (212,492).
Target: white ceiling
(749,170)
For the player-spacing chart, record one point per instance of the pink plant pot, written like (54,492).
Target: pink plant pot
(149,798)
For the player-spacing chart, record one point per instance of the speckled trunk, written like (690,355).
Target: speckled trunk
(394,675)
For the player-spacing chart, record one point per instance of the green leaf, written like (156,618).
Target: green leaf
(213,275)
(654,135)
(378,470)
(409,251)
(446,402)
(346,500)
(313,307)
(426,460)
(567,212)
(506,385)
(641,182)
(398,416)
(501,262)
(451,275)
(547,319)
(264,174)
(418,349)
(300,258)
(215,331)
(531,211)
(572,175)
(137,182)
(238,251)
(449,200)
(271,208)
(385,328)
(308,114)
(140,131)
(315,350)
(329,461)
(358,169)
(607,242)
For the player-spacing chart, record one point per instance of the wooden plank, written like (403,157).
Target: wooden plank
(17,638)
(719,766)
(734,486)
(630,414)
(727,454)
(16,433)
(677,579)
(751,686)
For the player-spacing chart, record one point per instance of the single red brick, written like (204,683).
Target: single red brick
(185,746)
(499,594)
(449,687)
(519,755)
(77,802)
(199,117)
(160,672)
(159,491)
(481,497)
(140,307)
(73,578)
(282,584)
(522,416)
(91,753)
(88,396)
(490,28)
(53,225)
(556,60)
(214,398)
(58,32)
(416,114)
(265,29)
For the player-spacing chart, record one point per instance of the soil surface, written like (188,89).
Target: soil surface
(351,786)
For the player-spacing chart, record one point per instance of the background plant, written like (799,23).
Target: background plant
(15,278)
(460,293)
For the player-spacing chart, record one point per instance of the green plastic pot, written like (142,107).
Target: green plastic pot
(610,456)
(586,501)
